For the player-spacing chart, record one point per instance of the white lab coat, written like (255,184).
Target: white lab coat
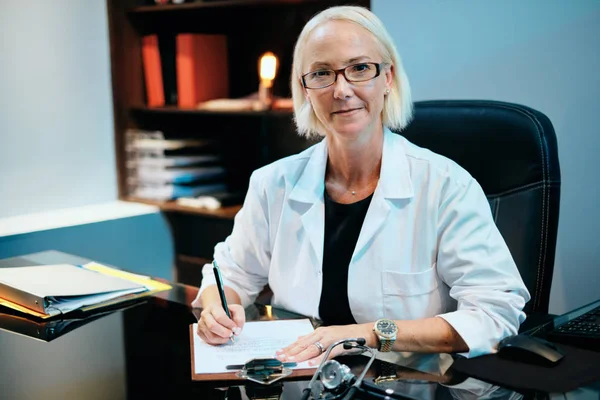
(428,245)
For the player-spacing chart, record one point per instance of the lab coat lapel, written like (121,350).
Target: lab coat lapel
(308,194)
(394,183)
(314,224)
(374,220)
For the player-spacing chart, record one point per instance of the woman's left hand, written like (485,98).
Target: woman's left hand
(307,348)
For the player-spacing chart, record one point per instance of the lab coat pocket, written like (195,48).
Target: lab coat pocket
(409,284)
(411,295)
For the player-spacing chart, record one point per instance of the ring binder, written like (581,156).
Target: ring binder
(57,289)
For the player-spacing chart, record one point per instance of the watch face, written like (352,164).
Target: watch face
(386,327)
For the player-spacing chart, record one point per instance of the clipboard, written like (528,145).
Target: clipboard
(231,376)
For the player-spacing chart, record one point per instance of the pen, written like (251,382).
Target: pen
(221,289)
(241,366)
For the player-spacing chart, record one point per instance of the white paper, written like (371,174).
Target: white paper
(67,304)
(62,280)
(259,339)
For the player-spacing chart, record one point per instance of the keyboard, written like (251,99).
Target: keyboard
(583,331)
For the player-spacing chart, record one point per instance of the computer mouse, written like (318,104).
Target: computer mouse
(530,350)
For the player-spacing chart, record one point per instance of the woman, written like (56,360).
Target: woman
(375,236)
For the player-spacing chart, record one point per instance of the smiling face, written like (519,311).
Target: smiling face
(348,109)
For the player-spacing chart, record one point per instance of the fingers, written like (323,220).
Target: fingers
(305,347)
(209,337)
(299,345)
(214,327)
(310,352)
(301,350)
(221,318)
(317,360)
(238,314)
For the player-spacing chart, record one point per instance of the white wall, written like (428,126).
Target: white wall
(543,54)
(56,127)
(56,140)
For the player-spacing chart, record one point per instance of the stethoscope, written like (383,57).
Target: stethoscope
(332,380)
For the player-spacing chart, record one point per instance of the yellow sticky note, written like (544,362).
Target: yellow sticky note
(151,284)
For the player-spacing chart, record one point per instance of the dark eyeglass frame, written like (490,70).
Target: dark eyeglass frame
(343,72)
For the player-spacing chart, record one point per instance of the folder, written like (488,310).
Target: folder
(175,161)
(180,175)
(202,68)
(174,191)
(58,289)
(152,71)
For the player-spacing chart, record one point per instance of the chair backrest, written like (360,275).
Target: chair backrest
(511,151)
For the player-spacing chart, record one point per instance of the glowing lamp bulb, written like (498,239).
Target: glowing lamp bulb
(268,67)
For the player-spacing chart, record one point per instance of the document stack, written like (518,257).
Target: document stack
(46,291)
(165,169)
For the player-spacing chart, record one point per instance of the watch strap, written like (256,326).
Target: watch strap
(385,344)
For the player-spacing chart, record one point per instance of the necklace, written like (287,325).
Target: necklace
(336,187)
(368,187)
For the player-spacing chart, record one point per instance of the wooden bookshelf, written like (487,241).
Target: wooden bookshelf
(250,139)
(171,206)
(192,111)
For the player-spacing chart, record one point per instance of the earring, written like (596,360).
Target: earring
(387,91)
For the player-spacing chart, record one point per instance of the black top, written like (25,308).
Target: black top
(342,227)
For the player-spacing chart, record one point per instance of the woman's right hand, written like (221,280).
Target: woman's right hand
(214,327)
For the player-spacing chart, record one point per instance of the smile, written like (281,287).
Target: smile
(346,112)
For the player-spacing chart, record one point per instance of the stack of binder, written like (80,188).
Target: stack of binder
(46,291)
(160,168)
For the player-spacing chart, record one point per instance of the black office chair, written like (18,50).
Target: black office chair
(511,150)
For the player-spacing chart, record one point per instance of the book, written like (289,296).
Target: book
(202,68)
(258,339)
(152,71)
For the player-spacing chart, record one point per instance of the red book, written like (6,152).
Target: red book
(202,68)
(155,96)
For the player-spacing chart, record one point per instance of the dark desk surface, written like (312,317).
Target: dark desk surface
(143,352)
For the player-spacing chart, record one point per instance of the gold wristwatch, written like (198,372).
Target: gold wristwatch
(386,331)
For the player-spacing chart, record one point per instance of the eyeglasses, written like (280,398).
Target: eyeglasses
(353,73)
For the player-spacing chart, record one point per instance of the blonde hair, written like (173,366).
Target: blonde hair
(397,107)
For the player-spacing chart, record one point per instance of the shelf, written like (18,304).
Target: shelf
(215,4)
(171,206)
(173,110)
(277,22)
